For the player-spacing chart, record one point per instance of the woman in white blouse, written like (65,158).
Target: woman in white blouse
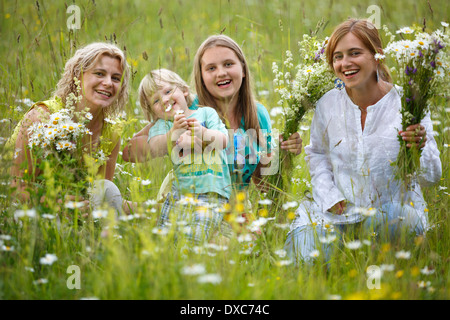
(354,140)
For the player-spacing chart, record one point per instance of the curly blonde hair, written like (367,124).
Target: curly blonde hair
(83,60)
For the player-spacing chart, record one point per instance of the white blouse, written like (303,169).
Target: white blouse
(347,163)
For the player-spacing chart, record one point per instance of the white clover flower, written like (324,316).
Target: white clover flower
(7,248)
(314,254)
(99,214)
(403,254)
(48,259)
(195,269)
(353,245)
(288,205)
(31,213)
(160,231)
(150,202)
(111,121)
(29,269)
(387,267)
(265,202)
(423,284)
(245,237)
(74,204)
(427,271)
(216,247)
(379,56)
(328,239)
(282,263)
(406,30)
(276,111)
(40,281)
(366,212)
(281,253)
(212,278)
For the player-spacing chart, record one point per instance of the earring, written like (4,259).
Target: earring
(339,84)
(378,74)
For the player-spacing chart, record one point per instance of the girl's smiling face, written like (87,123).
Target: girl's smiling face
(222,73)
(101,84)
(167,100)
(353,63)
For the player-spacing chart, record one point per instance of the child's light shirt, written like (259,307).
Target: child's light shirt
(203,173)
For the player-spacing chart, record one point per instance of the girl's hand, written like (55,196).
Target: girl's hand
(339,207)
(186,142)
(293,144)
(414,135)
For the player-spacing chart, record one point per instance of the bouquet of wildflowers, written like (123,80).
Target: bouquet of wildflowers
(300,87)
(422,72)
(58,141)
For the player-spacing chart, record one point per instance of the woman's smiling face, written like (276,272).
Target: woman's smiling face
(354,63)
(101,84)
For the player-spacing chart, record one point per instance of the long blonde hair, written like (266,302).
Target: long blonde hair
(366,32)
(83,60)
(154,81)
(246,104)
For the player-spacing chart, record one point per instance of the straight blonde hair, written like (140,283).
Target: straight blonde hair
(82,61)
(246,103)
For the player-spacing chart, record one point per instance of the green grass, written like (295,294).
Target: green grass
(125,259)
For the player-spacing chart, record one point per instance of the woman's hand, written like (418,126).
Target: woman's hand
(293,144)
(414,135)
(338,208)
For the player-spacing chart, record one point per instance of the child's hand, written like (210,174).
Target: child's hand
(196,127)
(180,122)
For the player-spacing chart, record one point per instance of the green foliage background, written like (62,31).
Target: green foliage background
(34,45)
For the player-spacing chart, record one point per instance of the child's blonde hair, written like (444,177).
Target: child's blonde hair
(82,61)
(153,82)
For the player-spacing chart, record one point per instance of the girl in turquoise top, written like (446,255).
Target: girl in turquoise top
(104,75)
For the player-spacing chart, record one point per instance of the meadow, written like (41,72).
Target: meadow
(46,257)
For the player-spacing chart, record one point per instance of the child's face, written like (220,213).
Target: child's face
(167,100)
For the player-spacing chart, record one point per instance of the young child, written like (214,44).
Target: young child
(201,176)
